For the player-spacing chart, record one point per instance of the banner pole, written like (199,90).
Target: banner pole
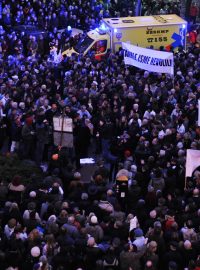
(185,186)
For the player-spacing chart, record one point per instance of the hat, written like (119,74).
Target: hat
(157,224)
(35,252)
(32,194)
(138,232)
(162,153)
(15,77)
(36,70)
(84,196)
(52,218)
(94,220)
(133,168)
(180,145)
(161,134)
(94,82)
(44,86)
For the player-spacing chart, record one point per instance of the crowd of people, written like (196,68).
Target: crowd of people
(139,124)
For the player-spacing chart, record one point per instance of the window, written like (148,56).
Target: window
(99,47)
(83,44)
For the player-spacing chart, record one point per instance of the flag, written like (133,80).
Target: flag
(192,161)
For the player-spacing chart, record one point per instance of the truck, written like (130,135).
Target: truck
(168,31)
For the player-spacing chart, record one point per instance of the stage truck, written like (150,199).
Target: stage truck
(153,32)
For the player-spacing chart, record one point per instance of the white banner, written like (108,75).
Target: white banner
(198,112)
(147,59)
(192,161)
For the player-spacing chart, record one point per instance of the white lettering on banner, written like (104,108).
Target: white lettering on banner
(151,60)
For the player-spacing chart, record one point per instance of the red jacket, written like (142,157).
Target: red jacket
(193,36)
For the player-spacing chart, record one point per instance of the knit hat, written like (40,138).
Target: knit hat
(84,196)
(35,252)
(133,168)
(162,153)
(32,194)
(138,232)
(94,220)
(180,145)
(52,218)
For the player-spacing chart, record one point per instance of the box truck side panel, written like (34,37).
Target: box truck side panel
(167,36)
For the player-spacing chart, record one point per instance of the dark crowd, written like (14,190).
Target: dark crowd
(137,125)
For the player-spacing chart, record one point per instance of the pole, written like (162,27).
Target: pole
(185,186)
(62,126)
(173,82)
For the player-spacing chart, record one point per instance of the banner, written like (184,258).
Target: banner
(151,60)
(192,161)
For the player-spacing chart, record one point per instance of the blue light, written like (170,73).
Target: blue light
(103,27)
(69,28)
(115,30)
(183,26)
